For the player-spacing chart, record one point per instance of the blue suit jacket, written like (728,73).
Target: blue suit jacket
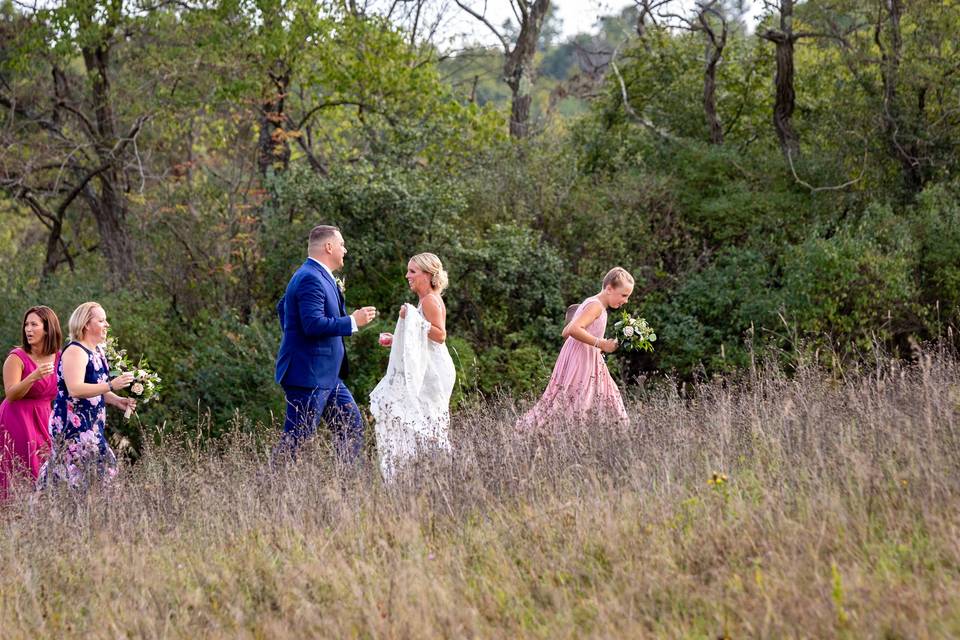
(314,320)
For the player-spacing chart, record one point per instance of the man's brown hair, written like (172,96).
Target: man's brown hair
(322,233)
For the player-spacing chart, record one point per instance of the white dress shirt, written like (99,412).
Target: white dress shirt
(353,321)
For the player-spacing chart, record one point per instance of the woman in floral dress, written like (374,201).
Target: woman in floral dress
(84,388)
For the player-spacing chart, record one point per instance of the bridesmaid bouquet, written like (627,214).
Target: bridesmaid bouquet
(146,382)
(634,334)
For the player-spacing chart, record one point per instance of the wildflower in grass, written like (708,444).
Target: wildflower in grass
(717,480)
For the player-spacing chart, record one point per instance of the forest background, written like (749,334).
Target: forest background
(787,184)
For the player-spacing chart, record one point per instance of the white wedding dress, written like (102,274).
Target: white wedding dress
(411,404)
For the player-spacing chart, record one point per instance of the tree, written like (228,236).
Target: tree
(90,151)
(710,19)
(647,12)
(713,23)
(902,57)
(785,37)
(785,98)
(518,66)
(889,20)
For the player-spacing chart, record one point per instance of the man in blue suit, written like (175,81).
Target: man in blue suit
(312,364)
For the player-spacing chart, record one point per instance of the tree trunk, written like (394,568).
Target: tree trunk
(710,100)
(57,251)
(273,148)
(52,257)
(711,21)
(785,100)
(785,96)
(520,114)
(518,69)
(905,152)
(108,211)
(518,66)
(108,206)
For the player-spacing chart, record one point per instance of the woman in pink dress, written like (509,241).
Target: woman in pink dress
(581,387)
(29,385)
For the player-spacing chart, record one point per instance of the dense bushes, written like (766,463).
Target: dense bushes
(937,228)
(713,281)
(704,321)
(881,274)
(847,292)
(732,247)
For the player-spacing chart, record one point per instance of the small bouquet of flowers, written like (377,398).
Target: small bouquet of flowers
(634,334)
(146,382)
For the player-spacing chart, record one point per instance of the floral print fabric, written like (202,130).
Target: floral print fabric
(80,449)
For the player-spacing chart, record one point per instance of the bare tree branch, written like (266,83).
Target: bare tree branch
(647,9)
(645,122)
(838,187)
(482,18)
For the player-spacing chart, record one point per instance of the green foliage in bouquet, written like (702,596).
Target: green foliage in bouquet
(634,334)
(146,382)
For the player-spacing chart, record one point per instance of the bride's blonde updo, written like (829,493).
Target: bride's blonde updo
(430,263)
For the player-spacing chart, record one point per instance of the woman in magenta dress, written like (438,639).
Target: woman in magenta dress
(29,385)
(581,387)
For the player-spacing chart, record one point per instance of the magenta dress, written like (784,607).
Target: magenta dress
(24,430)
(580,388)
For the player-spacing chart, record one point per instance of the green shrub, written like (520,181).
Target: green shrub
(705,320)
(506,282)
(631,220)
(515,369)
(226,369)
(468,370)
(937,227)
(386,216)
(849,290)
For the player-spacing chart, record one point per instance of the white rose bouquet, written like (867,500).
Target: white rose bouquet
(146,382)
(634,334)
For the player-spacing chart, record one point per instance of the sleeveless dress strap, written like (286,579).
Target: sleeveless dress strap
(78,344)
(23,355)
(586,303)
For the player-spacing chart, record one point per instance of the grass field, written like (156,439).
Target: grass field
(836,516)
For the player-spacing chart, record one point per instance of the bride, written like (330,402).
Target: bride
(411,404)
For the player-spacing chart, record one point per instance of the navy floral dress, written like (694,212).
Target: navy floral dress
(80,449)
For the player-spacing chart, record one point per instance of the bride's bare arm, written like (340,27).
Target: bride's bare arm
(433,312)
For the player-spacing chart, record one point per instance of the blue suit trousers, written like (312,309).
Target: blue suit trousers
(336,407)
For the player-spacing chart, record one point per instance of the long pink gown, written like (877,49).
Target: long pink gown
(580,387)
(24,430)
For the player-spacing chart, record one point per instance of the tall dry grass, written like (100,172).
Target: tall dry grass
(839,518)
